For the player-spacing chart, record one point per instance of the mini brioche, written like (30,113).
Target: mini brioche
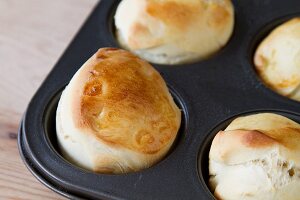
(174,31)
(256,158)
(277,59)
(116,115)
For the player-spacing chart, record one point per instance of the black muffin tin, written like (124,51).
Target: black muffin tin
(211,93)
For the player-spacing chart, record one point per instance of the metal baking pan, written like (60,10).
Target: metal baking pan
(210,93)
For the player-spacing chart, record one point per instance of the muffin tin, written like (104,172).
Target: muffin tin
(210,93)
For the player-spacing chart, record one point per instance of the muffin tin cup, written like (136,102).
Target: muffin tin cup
(210,94)
(203,158)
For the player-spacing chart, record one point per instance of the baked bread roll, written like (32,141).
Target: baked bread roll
(174,31)
(116,115)
(256,157)
(277,59)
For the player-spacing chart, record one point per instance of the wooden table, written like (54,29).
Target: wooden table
(33,34)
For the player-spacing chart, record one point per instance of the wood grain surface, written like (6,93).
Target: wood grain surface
(33,34)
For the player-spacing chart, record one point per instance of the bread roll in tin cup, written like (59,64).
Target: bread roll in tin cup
(277,59)
(174,31)
(116,115)
(257,157)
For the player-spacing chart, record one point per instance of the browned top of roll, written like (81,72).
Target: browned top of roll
(249,136)
(124,102)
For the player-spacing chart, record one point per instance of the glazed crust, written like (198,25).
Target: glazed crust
(118,107)
(125,102)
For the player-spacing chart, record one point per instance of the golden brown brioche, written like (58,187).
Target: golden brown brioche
(277,59)
(256,157)
(116,115)
(174,31)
